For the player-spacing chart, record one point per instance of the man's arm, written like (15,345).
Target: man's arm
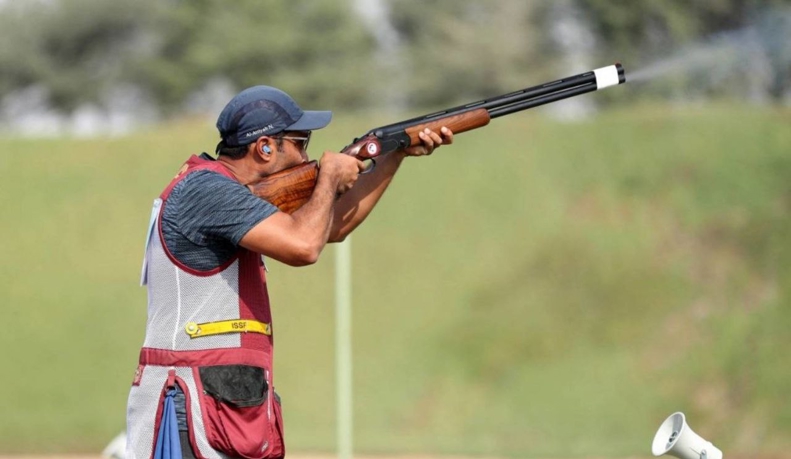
(355,206)
(299,238)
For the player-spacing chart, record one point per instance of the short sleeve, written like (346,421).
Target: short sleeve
(206,215)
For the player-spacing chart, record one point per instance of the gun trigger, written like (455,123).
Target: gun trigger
(368,170)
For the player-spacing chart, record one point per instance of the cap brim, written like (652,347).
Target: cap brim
(311,120)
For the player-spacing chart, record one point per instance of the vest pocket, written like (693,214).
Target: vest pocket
(239,416)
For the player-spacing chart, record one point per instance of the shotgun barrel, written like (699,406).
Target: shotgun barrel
(469,116)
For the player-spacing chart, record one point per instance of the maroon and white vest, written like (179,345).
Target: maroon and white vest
(210,333)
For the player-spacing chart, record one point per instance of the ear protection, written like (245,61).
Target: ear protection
(266,149)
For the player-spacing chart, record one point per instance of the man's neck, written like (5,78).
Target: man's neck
(237,167)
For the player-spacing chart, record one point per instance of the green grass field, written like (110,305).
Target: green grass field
(536,290)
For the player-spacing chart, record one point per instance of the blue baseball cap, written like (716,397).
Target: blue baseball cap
(264,110)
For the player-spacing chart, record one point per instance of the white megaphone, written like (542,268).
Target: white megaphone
(676,438)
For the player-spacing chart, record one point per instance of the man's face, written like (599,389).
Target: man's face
(295,145)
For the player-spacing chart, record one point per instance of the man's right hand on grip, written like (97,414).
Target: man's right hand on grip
(343,169)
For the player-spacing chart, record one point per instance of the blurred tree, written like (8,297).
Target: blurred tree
(76,49)
(458,50)
(325,53)
(308,48)
(654,25)
(649,29)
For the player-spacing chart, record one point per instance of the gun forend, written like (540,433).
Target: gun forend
(379,141)
(458,123)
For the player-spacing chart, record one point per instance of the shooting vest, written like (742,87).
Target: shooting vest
(210,333)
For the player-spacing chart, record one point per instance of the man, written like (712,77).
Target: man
(204,385)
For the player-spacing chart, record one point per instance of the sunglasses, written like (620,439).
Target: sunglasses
(303,141)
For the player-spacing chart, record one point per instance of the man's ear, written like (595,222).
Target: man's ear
(263,148)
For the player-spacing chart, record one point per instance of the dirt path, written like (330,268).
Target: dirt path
(331,456)
(406,456)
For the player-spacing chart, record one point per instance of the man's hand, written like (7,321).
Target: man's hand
(431,141)
(298,239)
(343,169)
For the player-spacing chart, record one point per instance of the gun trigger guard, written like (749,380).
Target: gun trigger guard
(368,170)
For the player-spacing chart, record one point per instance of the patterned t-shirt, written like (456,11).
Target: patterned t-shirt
(206,215)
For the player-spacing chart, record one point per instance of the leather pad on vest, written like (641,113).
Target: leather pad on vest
(237,385)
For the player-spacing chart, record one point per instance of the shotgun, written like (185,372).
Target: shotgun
(289,189)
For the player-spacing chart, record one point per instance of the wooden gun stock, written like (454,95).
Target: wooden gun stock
(288,189)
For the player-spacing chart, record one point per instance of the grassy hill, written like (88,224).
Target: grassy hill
(538,289)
